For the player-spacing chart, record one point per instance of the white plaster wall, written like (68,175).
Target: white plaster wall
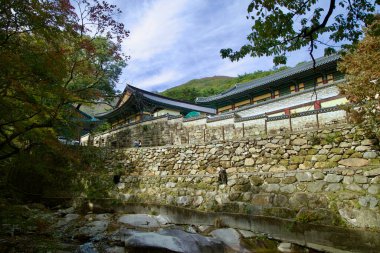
(254,122)
(166,111)
(84,139)
(331,117)
(221,122)
(195,122)
(175,121)
(302,109)
(302,98)
(277,125)
(334,102)
(100,140)
(304,122)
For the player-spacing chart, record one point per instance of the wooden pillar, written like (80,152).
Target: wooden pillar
(317,105)
(317,116)
(223,132)
(324,78)
(204,134)
(266,126)
(243,131)
(272,93)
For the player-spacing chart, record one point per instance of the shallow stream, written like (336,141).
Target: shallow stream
(34,228)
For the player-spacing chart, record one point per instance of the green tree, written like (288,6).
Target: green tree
(53,54)
(281,26)
(362,86)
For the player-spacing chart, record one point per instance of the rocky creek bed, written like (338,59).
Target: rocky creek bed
(34,228)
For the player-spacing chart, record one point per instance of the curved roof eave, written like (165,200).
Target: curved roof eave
(113,112)
(154,98)
(179,104)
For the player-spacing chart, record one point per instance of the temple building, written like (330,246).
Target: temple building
(301,88)
(137,105)
(295,99)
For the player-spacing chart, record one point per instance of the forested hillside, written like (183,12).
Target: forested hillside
(208,86)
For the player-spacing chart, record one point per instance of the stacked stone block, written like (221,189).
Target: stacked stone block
(330,176)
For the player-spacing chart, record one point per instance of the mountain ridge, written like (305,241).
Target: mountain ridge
(208,86)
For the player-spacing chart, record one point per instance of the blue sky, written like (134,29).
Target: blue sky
(174,41)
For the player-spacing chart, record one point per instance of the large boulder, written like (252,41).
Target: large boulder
(139,220)
(173,240)
(92,229)
(362,218)
(230,237)
(68,219)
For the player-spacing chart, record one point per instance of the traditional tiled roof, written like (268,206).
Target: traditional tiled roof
(241,88)
(159,100)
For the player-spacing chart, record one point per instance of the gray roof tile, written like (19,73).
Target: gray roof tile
(240,88)
(164,101)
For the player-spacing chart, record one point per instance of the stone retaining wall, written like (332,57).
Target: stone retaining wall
(329,176)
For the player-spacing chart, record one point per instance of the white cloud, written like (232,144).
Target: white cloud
(158,29)
(174,41)
(152,82)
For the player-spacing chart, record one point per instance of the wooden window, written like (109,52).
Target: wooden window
(330,78)
(262,98)
(276,93)
(319,81)
(301,86)
(224,108)
(222,111)
(242,103)
(292,88)
(240,106)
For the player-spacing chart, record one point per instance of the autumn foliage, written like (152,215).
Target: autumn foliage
(362,86)
(53,55)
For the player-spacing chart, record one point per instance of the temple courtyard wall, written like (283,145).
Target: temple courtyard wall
(174,130)
(325,176)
